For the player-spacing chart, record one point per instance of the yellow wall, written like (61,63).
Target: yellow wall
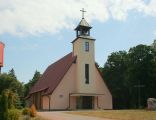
(96,84)
(74,81)
(83,58)
(104,101)
(60,96)
(45,100)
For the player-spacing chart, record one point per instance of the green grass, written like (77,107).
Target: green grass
(120,114)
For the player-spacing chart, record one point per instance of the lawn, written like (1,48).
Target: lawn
(120,114)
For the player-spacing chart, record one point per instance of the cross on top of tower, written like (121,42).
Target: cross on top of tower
(83,11)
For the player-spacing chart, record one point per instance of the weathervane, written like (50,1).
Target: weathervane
(82,13)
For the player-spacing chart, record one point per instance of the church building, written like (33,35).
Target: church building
(74,81)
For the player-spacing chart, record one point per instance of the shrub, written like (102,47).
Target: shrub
(13,114)
(4,105)
(26,111)
(26,117)
(33,111)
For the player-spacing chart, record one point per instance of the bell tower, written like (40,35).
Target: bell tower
(83,48)
(83,28)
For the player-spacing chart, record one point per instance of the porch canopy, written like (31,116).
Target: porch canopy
(85,94)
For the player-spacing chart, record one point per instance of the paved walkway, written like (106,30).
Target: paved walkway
(65,116)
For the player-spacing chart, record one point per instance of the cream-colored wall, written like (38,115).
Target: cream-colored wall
(95,102)
(96,83)
(104,101)
(45,102)
(74,81)
(60,96)
(72,102)
(83,58)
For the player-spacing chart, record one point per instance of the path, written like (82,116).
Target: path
(65,116)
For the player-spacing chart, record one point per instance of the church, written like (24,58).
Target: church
(74,81)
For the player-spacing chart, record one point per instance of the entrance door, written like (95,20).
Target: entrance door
(87,102)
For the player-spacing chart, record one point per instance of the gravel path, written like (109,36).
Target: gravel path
(64,116)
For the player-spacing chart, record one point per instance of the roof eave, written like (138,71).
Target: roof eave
(84,38)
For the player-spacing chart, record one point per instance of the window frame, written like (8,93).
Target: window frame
(87,46)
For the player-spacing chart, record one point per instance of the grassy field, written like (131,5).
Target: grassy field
(120,114)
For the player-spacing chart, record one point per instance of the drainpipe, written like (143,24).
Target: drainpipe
(69,102)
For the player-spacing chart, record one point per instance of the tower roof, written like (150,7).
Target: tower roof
(83,23)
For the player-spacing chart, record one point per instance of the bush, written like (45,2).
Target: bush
(13,114)
(26,111)
(33,112)
(26,117)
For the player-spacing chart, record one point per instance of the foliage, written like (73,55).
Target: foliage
(154,44)
(13,114)
(26,111)
(12,99)
(131,76)
(7,102)
(11,73)
(33,111)
(31,83)
(4,105)
(9,81)
(114,74)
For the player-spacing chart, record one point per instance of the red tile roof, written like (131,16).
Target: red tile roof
(53,75)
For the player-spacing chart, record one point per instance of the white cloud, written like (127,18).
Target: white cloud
(119,8)
(24,17)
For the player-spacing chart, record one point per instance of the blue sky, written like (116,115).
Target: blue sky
(37,33)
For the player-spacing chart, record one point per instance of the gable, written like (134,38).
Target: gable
(102,86)
(53,75)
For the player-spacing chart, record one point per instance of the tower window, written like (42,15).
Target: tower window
(86,46)
(87,73)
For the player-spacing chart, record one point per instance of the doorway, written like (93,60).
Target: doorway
(85,102)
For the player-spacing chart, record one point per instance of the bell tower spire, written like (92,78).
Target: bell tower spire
(83,49)
(83,28)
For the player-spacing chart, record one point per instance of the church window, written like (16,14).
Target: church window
(87,73)
(86,46)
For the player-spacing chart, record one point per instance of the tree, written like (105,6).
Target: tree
(4,105)
(142,74)
(154,44)
(7,103)
(114,74)
(31,83)
(11,73)
(35,78)
(131,76)
(9,81)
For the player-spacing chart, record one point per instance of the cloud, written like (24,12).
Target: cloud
(33,17)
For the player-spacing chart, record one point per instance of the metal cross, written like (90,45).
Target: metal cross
(82,13)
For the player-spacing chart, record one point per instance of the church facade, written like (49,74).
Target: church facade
(74,81)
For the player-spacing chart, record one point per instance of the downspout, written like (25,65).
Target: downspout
(69,102)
